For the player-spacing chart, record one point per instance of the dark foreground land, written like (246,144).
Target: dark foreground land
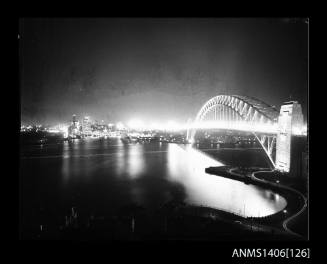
(173,221)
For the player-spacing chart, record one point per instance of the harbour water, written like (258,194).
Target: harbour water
(101,175)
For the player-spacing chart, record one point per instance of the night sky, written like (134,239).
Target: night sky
(156,69)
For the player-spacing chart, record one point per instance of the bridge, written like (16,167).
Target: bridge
(272,128)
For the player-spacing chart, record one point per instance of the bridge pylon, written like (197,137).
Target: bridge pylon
(290,123)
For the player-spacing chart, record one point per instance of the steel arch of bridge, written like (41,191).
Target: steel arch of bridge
(244,108)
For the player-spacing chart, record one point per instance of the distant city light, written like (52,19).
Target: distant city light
(50,130)
(238,125)
(172,125)
(135,124)
(120,126)
(154,126)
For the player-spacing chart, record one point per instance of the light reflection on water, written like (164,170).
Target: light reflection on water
(135,161)
(110,173)
(187,167)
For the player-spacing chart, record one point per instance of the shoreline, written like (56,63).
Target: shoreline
(296,201)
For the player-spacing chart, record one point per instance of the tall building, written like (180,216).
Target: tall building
(74,128)
(86,126)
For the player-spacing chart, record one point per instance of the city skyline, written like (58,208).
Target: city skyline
(156,69)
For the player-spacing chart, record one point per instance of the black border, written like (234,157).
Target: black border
(159,250)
